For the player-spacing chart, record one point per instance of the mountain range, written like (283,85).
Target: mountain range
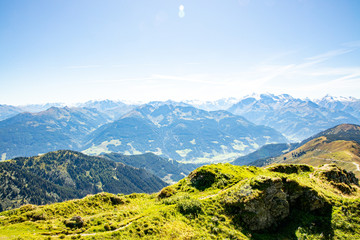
(112,109)
(349,105)
(29,134)
(183,133)
(297,119)
(97,127)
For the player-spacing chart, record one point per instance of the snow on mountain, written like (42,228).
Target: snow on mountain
(297,119)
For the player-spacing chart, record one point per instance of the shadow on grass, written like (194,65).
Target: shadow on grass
(298,225)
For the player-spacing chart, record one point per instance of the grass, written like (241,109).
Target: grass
(186,210)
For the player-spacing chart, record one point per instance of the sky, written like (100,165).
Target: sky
(144,50)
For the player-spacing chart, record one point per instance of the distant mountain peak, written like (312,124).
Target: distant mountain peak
(330,98)
(345,128)
(262,96)
(168,102)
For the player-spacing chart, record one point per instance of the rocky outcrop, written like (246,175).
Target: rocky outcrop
(291,168)
(338,177)
(203,178)
(265,201)
(333,173)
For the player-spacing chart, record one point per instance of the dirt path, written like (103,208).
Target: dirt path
(96,233)
(334,160)
(357,166)
(212,195)
(118,229)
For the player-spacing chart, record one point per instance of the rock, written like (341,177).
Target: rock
(333,173)
(166,192)
(260,210)
(290,168)
(202,178)
(265,202)
(338,177)
(74,222)
(303,198)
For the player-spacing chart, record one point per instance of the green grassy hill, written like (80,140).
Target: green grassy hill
(219,201)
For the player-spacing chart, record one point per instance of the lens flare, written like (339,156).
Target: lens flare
(181,11)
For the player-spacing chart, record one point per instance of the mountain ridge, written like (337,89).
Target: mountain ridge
(65,174)
(338,145)
(182,133)
(297,119)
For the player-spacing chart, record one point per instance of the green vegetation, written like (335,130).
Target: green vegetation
(63,175)
(281,202)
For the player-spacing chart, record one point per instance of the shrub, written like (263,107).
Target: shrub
(107,227)
(37,215)
(115,200)
(175,199)
(189,206)
(166,192)
(74,222)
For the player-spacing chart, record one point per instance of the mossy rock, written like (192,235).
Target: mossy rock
(27,208)
(291,168)
(216,176)
(202,178)
(301,197)
(74,222)
(338,177)
(166,192)
(116,200)
(263,182)
(260,205)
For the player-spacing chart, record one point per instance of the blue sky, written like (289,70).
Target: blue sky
(137,50)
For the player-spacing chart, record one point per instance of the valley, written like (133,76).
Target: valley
(159,171)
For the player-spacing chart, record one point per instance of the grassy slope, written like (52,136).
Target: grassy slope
(345,154)
(63,175)
(185,211)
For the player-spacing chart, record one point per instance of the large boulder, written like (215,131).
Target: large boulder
(265,202)
(259,209)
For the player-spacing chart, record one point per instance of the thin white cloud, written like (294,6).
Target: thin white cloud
(328,55)
(310,78)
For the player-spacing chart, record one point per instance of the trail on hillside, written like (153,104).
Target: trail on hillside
(115,230)
(212,195)
(335,160)
(105,232)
